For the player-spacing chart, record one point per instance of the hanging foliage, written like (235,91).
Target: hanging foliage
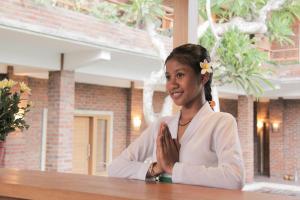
(237,59)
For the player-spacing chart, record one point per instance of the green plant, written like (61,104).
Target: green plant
(132,13)
(224,10)
(136,12)
(280,22)
(13,107)
(243,63)
(107,11)
(237,59)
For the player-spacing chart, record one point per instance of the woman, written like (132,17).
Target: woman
(195,146)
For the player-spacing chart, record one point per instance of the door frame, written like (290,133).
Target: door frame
(109,115)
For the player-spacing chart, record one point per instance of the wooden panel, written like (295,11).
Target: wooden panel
(80,145)
(185,22)
(50,185)
(101,144)
(180,29)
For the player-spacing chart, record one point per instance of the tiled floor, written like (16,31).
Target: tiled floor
(274,186)
(275,180)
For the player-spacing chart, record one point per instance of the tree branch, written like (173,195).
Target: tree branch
(252,27)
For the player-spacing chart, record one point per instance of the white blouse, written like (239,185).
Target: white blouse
(210,153)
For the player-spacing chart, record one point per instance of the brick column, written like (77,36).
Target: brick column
(276,139)
(10,71)
(61,87)
(134,109)
(245,128)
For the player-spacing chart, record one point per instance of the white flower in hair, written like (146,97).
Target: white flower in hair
(205,67)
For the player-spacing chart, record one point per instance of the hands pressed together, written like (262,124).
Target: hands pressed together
(167,152)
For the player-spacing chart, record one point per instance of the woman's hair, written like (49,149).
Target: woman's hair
(192,55)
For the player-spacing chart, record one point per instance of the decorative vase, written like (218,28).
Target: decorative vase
(2,153)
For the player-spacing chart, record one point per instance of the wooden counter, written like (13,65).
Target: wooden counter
(39,185)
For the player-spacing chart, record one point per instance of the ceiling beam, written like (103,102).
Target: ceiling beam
(79,59)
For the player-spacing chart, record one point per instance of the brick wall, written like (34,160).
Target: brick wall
(262,113)
(287,53)
(102,98)
(245,129)
(276,142)
(284,144)
(137,110)
(23,149)
(229,106)
(39,97)
(291,139)
(15,150)
(15,142)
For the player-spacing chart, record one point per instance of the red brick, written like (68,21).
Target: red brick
(245,129)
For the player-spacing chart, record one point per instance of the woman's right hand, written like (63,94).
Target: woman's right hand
(159,156)
(167,151)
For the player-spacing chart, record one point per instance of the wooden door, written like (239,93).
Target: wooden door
(81,146)
(91,144)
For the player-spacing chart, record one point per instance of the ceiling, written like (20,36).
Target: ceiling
(35,54)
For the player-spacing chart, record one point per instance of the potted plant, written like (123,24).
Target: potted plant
(13,108)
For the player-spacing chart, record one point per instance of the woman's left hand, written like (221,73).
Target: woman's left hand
(167,149)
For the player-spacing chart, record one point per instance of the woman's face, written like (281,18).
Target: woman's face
(183,85)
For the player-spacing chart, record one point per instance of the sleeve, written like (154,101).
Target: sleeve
(130,163)
(229,173)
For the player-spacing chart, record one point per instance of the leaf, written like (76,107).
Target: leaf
(242,62)
(9,109)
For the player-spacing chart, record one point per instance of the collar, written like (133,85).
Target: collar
(203,112)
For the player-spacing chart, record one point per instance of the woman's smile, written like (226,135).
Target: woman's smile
(176,94)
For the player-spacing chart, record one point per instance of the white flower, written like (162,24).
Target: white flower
(24,88)
(205,67)
(7,83)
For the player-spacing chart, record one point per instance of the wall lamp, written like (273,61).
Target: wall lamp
(259,124)
(137,122)
(275,126)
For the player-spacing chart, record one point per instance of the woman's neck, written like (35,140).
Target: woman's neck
(190,110)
